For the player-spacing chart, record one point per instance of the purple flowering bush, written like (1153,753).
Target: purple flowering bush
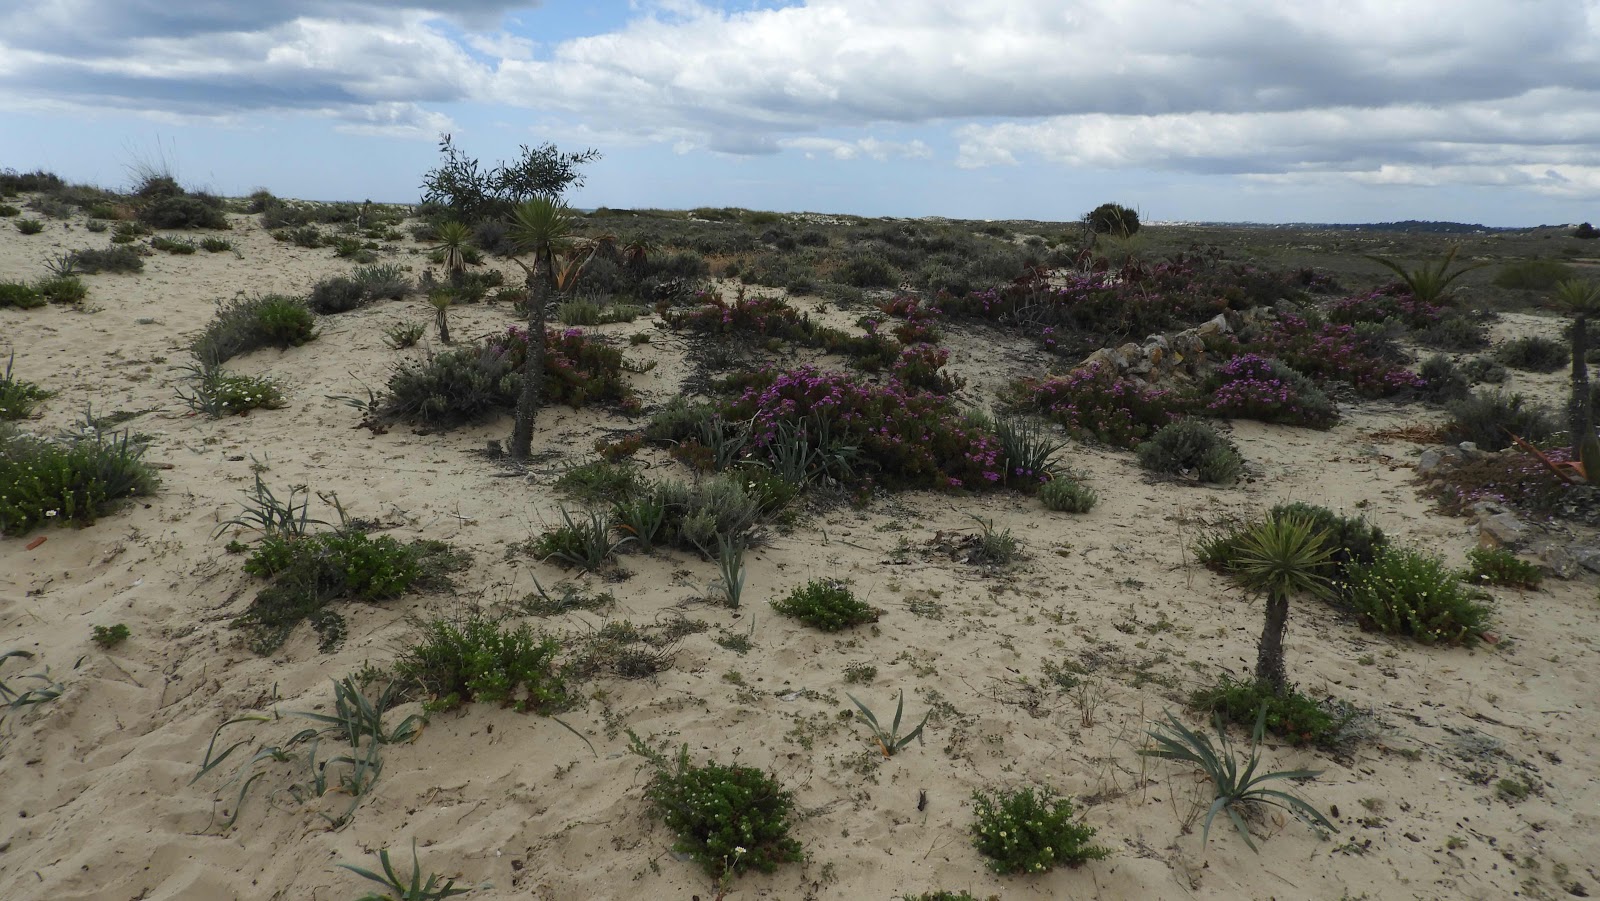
(1332,352)
(1383,305)
(764,317)
(1251,386)
(911,439)
(1094,402)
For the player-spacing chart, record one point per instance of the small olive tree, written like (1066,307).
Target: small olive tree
(474,193)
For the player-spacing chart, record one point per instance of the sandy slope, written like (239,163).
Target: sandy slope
(95,800)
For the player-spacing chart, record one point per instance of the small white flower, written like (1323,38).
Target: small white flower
(49,513)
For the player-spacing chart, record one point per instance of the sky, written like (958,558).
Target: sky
(1201,110)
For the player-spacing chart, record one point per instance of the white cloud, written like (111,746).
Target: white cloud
(871,148)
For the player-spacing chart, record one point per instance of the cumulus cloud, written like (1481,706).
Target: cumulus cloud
(1259,88)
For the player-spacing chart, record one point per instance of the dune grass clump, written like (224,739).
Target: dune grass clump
(601,481)
(1095,403)
(1250,386)
(383,281)
(454,662)
(244,324)
(76,481)
(1028,830)
(728,819)
(1489,418)
(1192,446)
(120,258)
(214,244)
(1532,353)
(30,226)
(184,211)
(175,246)
(826,604)
(1407,592)
(62,289)
(1533,275)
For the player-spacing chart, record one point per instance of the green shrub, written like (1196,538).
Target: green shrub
(244,324)
(1532,353)
(1250,386)
(1064,494)
(404,334)
(1192,445)
(179,246)
(1290,715)
(1353,541)
(1407,592)
(1533,275)
(729,819)
(50,482)
(128,232)
(215,245)
(1498,566)
(1028,831)
(63,289)
(184,211)
(337,295)
(585,543)
(21,296)
(30,226)
(17,396)
(867,270)
(308,236)
(307,573)
(7,211)
(216,393)
(457,386)
(1489,418)
(1112,219)
(827,605)
(457,662)
(109,637)
(110,259)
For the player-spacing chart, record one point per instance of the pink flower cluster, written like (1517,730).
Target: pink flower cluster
(1095,402)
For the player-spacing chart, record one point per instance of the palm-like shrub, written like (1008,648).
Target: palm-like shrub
(541,226)
(1580,300)
(1281,557)
(1429,282)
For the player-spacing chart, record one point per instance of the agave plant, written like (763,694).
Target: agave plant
(890,741)
(455,239)
(435,889)
(1427,282)
(1234,779)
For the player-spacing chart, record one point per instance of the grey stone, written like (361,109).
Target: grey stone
(1502,530)
(1431,462)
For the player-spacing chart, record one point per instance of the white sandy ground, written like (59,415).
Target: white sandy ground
(95,800)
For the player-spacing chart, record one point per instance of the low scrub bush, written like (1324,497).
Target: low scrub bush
(244,324)
(476,660)
(1096,403)
(579,369)
(1385,306)
(1192,446)
(1533,275)
(827,605)
(215,245)
(62,289)
(454,387)
(1532,353)
(337,295)
(585,543)
(1443,380)
(1352,541)
(1363,357)
(728,819)
(602,482)
(43,482)
(184,211)
(383,281)
(1064,494)
(1290,715)
(110,259)
(1030,831)
(1250,386)
(1489,418)
(1406,592)
(1457,332)
(1485,370)
(8,211)
(30,226)
(178,246)
(128,232)
(1499,566)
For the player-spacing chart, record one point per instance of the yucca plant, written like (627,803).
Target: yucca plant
(540,226)
(1429,282)
(1234,779)
(435,889)
(1580,300)
(1282,556)
(455,240)
(730,564)
(890,741)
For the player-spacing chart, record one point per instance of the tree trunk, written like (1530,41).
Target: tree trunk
(532,367)
(1580,419)
(443,320)
(1269,655)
